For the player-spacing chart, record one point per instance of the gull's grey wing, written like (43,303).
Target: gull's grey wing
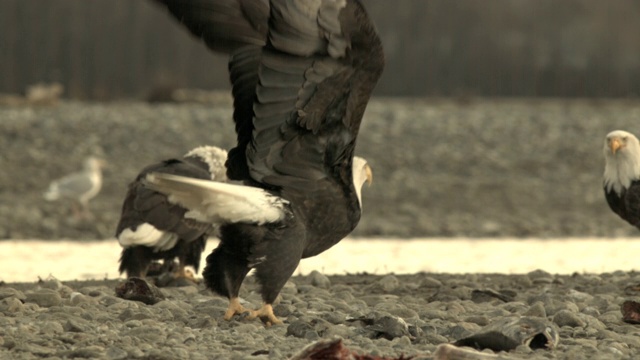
(74,185)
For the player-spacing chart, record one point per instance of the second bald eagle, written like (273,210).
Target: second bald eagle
(622,175)
(302,73)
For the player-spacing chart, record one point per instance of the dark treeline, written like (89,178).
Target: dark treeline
(110,49)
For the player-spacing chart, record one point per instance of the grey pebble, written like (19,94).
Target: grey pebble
(11,305)
(44,298)
(396,309)
(412,320)
(77,325)
(389,327)
(108,300)
(339,304)
(283,310)
(536,310)
(373,300)
(148,333)
(10,292)
(389,283)
(311,291)
(88,352)
(39,350)
(334,317)
(477,319)
(116,353)
(51,327)
(77,298)
(51,283)
(430,282)
(590,310)
(319,280)
(538,277)
(568,318)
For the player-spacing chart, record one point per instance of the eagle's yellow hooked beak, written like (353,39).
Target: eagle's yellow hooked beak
(615,144)
(369,173)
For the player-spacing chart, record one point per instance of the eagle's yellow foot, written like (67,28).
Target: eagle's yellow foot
(265,313)
(234,308)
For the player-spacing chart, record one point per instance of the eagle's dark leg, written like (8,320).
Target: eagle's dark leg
(279,263)
(272,276)
(224,273)
(190,255)
(135,261)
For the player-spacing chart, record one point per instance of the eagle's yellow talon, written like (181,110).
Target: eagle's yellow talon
(265,313)
(234,308)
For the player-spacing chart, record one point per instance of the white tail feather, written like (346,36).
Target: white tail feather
(217,202)
(147,235)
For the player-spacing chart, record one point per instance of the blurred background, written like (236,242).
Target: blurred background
(488,121)
(105,50)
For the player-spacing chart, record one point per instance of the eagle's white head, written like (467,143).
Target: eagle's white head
(215,157)
(622,160)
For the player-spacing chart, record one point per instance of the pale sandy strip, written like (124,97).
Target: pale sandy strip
(26,260)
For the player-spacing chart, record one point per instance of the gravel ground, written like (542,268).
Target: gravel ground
(442,168)
(390,315)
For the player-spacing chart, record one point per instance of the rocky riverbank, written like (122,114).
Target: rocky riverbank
(377,315)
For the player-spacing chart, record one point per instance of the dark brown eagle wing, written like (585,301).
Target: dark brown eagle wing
(302,73)
(316,74)
(143,205)
(224,25)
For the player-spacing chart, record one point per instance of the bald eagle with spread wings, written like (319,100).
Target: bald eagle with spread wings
(622,175)
(302,73)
